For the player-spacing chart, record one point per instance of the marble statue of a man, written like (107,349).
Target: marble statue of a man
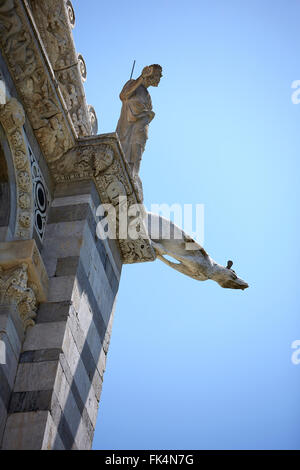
(136,114)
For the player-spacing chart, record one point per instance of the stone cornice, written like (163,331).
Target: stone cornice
(101,159)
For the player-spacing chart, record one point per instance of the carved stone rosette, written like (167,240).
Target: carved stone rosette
(12,118)
(14,289)
(101,159)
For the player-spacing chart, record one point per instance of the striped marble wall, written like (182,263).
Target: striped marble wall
(54,399)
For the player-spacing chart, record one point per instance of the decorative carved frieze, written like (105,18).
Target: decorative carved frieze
(54,21)
(12,118)
(34,78)
(23,278)
(101,159)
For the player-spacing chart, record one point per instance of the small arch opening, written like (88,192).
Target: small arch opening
(171,259)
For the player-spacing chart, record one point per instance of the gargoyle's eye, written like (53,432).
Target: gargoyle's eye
(234,276)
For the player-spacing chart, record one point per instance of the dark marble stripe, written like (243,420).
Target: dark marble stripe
(53,312)
(65,433)
(5,390)
(63,428)
(77,188)
(114,283)
(69,213)
(88,361)
(41,355)
(84,286)
(22,402)
(67,266)
(66,369)
(112,278)
(75,395)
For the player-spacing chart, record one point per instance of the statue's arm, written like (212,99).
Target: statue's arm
(130,87)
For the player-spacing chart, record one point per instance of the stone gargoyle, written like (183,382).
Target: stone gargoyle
(169,240)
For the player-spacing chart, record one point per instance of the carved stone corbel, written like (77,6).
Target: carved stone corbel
(14,289)
(23,278)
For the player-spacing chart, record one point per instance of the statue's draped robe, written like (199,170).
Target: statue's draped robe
(132,128)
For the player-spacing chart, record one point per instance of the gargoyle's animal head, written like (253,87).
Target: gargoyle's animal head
(229,280)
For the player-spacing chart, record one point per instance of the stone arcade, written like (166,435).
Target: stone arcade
(58,280)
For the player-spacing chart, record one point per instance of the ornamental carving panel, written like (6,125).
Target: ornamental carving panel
(55,21)
(12,118)
(41,196)
(23,278)
(34,79)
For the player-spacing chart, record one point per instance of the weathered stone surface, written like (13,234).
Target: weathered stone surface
(40,355)
(65,230)
(72,413)
(68,213)
(8,370)
(50,264)
(6,389)
(22,402)
(67,266)
(3,416)
(61,247)
(74,200)
(53,312)
(25,431)
(52,439)
(60,288)
(10,326)
(80,375)
(45,336)
(35,376)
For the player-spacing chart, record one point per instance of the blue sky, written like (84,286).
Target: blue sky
(192,365)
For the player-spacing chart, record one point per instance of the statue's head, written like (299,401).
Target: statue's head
(152,75)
